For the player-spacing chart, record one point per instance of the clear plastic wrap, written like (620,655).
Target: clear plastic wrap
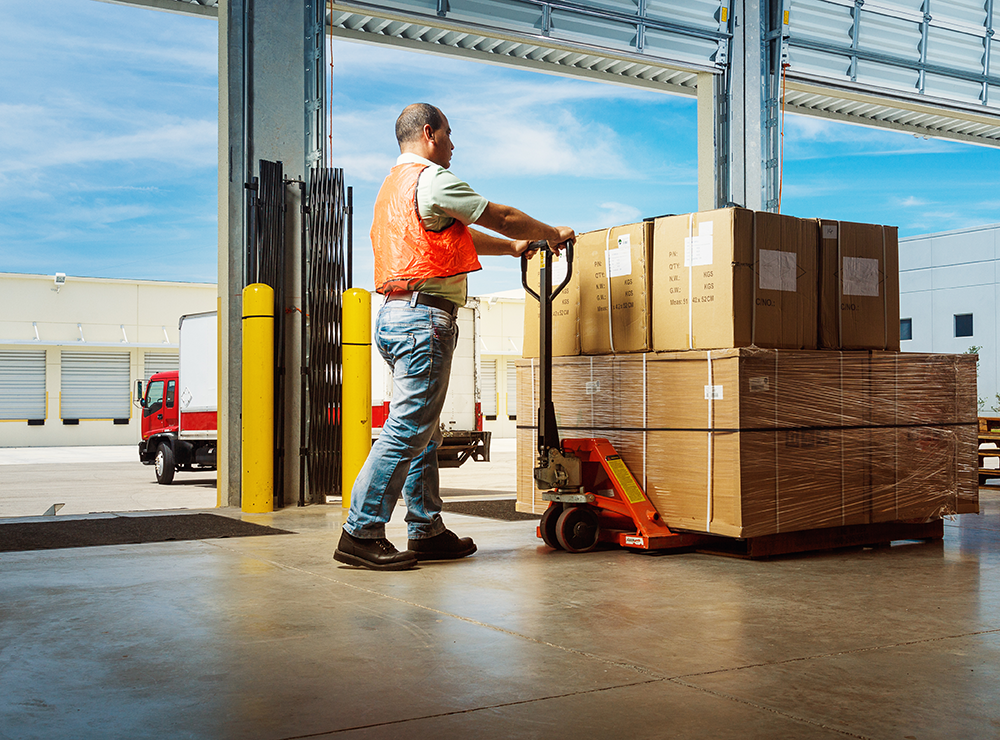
(749,442)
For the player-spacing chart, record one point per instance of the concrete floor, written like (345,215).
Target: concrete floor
(269,637)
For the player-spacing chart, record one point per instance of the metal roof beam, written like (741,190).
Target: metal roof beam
(204,8)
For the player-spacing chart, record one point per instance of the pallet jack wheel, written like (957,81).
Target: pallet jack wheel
(548,526)
(577,529)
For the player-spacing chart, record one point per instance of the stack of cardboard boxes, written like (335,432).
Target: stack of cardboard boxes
(747,368)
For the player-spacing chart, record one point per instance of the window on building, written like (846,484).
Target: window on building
(963,325)
(905,329)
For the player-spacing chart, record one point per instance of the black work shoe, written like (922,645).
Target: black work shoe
(444,546)
(378,554)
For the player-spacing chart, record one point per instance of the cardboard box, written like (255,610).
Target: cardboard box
(615,269)
(859,286)
(565,310)
(750,442)
(735,278)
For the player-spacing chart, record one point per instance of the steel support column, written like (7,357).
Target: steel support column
(713,141)
(746,110)
(267,59)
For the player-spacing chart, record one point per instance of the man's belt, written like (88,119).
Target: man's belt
(416,298)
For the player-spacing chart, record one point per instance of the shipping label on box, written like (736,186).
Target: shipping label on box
(614,267)
(565,308)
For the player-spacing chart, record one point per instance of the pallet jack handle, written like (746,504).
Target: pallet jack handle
(548,433)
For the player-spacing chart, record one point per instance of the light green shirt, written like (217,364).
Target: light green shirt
(441,199)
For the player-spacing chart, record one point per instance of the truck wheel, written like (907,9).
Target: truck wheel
(164,465)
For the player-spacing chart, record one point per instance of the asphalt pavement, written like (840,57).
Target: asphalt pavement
(103,479)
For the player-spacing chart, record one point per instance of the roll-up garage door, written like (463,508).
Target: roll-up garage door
(511,390)
(488,396)
(95,385)
(158,362)
(22,384)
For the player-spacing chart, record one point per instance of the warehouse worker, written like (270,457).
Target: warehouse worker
(423,252)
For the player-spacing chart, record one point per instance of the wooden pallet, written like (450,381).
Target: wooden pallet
(989,431)
(861,535)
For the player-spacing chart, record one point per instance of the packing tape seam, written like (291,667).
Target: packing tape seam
(895,417)
(843,492)
(644,423)
(607,278)
(593,422)
(534,406)
(690,260)
(840,290)
(777,471)
(709,493)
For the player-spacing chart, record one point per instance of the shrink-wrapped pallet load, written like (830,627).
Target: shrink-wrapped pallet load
(776,399)
(747,442)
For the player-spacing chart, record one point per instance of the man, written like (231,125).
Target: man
(423,252)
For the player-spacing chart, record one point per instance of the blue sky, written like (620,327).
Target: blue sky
(108,136)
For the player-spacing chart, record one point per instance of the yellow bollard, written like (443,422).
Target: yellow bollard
(257,494)
(356,406)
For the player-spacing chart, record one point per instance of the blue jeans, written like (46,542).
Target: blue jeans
(418,343)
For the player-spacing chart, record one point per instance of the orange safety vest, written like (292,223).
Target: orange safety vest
(405,251)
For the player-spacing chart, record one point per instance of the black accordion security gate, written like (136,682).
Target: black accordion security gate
(326,274)
(326,267)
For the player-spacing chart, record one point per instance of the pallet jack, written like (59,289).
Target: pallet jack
(593,496)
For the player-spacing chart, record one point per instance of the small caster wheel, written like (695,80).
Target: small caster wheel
(577,529)
(548,526)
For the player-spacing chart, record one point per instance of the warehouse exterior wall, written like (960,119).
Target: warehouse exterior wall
(95,321)
(501,333)
(949,274)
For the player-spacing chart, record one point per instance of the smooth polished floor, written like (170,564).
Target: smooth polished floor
(269,637)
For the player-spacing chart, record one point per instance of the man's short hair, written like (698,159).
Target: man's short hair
(412,120)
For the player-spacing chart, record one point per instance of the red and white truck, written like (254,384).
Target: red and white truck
(179,427)
(461,418)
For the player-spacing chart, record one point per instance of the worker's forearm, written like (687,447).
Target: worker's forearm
(489,245)
(516,224)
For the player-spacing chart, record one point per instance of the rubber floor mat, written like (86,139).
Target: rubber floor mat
(502,509)
(124,530)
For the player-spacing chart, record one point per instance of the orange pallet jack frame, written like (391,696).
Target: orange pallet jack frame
(609,507)
(593,496)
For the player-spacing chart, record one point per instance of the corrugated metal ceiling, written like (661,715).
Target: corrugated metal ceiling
(921,66)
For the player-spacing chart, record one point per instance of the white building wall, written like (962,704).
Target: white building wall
(93,315)
(103,315)
(501,324)
(954,272)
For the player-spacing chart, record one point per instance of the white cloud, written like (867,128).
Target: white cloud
(505,122)
(911,201)
(616,214)
(37,136)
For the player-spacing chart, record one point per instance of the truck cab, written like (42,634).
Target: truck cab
(159,405)
(179,406)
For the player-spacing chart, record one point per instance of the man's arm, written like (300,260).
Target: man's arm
(516,225)
(489,245)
